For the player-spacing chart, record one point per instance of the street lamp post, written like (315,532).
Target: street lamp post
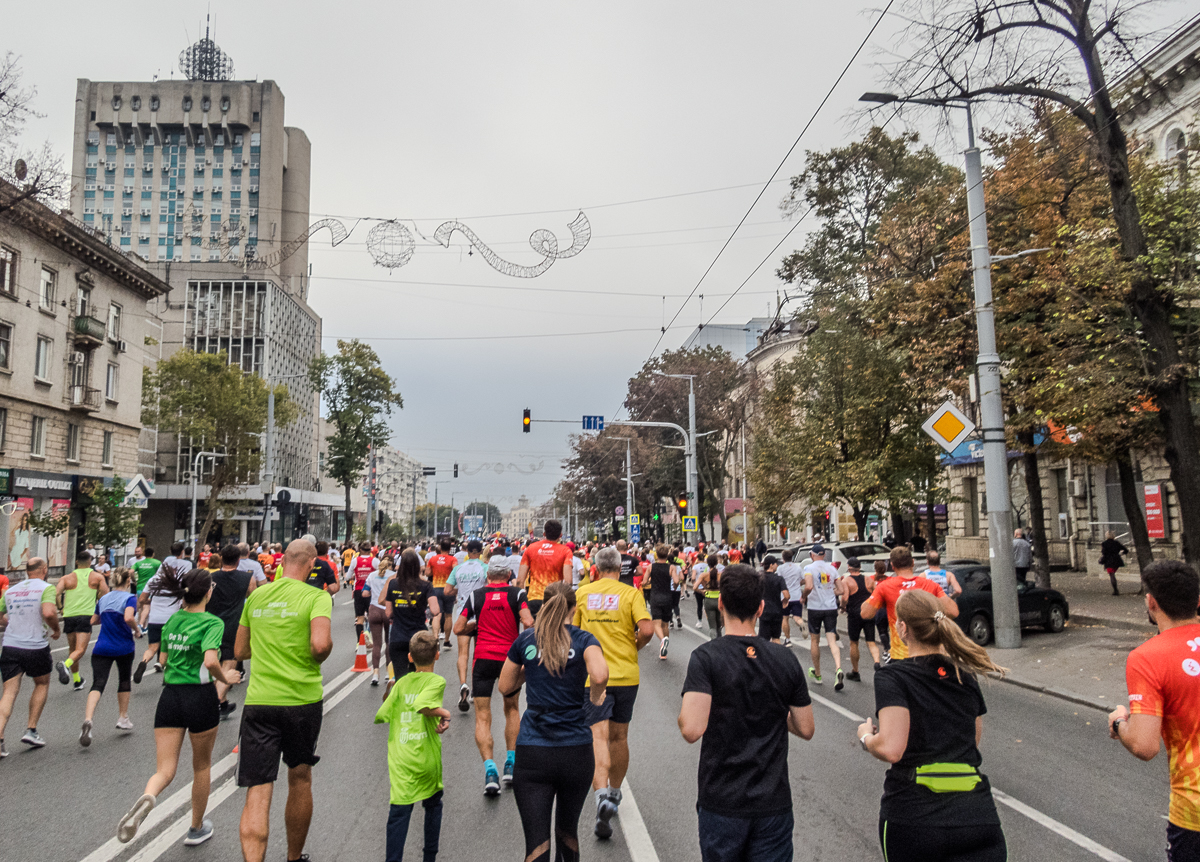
(195,470)
(1005,611)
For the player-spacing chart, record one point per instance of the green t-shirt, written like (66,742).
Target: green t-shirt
(145,570)
(284,673)
(185,638)
(414,747)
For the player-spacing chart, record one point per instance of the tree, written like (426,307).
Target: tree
(358,396)
(108,522)
(1062,51)
(36,173)
(50,523)
(214,406)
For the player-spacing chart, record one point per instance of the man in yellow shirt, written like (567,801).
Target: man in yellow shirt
(616,614)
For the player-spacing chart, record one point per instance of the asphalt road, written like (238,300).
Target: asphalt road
(1067,792)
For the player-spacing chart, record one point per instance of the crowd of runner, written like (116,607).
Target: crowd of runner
(564,624)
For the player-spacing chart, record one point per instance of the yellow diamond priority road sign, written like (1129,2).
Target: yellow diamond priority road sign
(949,426)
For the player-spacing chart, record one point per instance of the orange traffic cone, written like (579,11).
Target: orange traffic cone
(360,655)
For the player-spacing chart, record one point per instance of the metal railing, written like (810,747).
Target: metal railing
(83,397)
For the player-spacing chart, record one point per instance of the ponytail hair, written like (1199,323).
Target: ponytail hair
(928,625)
(119,578)
(550,627)
(190,587)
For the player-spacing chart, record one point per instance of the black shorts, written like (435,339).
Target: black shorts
(102,666)
(617,706)
(818,618)
(794,609)
(771,629)
(484,673)
(535,605)
(194,707)
(154,633)
(661,609)
(361,603)
(15,661)
(270,731)
(856,626)
(75,625)
(1182,844)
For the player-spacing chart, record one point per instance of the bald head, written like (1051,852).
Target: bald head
(298,559)
(621,545)
(35,568)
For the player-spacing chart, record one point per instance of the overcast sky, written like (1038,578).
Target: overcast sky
(512,117)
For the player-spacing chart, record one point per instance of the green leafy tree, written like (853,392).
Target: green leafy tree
(359,395)
(216,407)
(108,523)
(49,523)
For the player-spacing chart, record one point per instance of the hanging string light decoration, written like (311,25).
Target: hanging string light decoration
(498,468)
(390,244)
(541,241)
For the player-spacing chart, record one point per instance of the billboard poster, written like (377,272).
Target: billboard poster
(1156,524)
(18,533)
(56,546)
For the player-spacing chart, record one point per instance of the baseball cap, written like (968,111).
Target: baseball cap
(818,549)
(498,566)
(853,564)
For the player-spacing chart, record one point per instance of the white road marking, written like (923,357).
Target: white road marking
(341,695)
(838,708)
(177,830)
(637,837)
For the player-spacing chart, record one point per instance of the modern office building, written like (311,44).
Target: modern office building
(738,339)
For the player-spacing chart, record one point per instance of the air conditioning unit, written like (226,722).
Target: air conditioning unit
(126,212)
(122,347)
(252,212)
(253,190)
(145,212)
(208,161)
(1078,488)
(148,166)
(166,169)
(78,358)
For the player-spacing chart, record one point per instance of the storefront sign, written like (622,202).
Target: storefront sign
(6,480)
(1156,524)
(42,484)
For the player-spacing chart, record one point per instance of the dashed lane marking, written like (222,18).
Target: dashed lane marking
(637,837)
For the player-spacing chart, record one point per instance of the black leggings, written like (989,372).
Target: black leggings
(699,605)
(917,842)
(102,664)
(542,775)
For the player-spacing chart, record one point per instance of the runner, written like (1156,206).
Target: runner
(437,569)
(323,576)
(285,630)
(117,618)
(377,616)
(793,575)
(698,571)
(231,587)
(466,578)
(775,598)
(554,746)
(886,593)
(942,577)
(28,611)
(157,606)
(77,594)
(493,614)
(188,705)
(937,806)
(363,565)
(856,589)
(881,617)
(615,613)
(663,573)
(629,563)
(251,564)
(407,597)
(683,565)
(514,560)
(1161,676)
(710,584)
(542,564)
(823,595)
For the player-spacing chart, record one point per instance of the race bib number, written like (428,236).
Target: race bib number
(603,602)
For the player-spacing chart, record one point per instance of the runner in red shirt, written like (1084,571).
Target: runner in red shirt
(886,592)
(543,563)
(1163,676)
(362,566)
(438,568)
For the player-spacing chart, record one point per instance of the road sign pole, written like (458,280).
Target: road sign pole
(628,478)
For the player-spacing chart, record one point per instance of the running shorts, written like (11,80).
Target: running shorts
(617,706)
(771,629)
(535,605)
(194,707)
(15,661)
(661,609)
(484,674)
(361,603)
(794,609)
(818,618)
(154,633)
(267,732)
(102,665)
(75,625)
(1182,843)
(857,626)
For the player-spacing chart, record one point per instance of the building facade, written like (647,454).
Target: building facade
(520,519)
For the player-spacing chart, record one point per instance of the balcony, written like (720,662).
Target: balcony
(89,330)
(83,398)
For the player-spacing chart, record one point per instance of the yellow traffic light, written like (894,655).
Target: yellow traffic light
(525,422)
(682,502)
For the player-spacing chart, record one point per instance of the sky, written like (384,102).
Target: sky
(661,121)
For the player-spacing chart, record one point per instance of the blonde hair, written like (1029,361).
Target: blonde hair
(119,578)
(928,625)
(550,627)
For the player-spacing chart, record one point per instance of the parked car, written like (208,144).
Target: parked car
(1046,608)
(838,552)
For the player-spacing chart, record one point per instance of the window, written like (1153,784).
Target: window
(970,497)
(6,332)
(8,271)
(106,450)
(3,428)
(110,381)
(72,442)
(37,440)
(49,281)
(83,298)
(41,362)
(114,321)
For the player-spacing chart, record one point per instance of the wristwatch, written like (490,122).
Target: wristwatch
(1115,731)
(863,741)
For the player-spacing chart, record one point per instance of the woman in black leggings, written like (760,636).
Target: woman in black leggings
(937,806)
(554,747)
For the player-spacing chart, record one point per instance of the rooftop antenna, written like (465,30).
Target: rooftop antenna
(204,61)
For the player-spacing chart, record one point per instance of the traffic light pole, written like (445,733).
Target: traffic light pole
(689,445)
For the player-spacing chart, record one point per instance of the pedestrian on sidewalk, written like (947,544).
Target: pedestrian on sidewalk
(1022,555)
(1164,701)
(416,718)
(1112,557)
(742,696)
(937,806)
(29,612)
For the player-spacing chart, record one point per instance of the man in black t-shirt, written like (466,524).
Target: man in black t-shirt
(322,575)
(742,696)
(629,563)
(775,596)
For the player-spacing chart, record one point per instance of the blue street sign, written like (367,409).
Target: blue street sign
(593,423)
(635,533)
(689,524)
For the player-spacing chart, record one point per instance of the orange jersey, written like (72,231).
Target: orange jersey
(887,592)
(440,568)
(1163,676)
(545,560)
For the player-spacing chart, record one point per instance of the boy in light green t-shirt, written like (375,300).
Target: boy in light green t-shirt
(413,708)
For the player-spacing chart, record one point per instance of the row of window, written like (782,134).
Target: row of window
(43,359)
(37,439)
(177,139)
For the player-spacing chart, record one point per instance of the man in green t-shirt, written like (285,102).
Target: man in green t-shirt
(145,569)
(285,631)
(414,710)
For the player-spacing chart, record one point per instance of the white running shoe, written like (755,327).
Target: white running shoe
(128,826)
(123,723)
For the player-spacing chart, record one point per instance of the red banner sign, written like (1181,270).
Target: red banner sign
(1156,524)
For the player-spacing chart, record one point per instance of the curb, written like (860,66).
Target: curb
(1125,625)
(1060,693)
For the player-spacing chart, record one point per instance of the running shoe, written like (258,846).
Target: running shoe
(375,678)
(662,650)
(507,778)
(699,624)
(123,723)
(787,641)
(158,668)
(199,836)
(32,737)
(127,827)
(814,676)
(3,750)
(464,695)
(139,671)
(227,709)
(840,682)
(79,686)
(64,675)
(854,676)
(85,735)
(491,780)
(887,656)
(605,811)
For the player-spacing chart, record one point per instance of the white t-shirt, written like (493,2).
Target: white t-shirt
(793,576)
(375,583)
(253,567)
(824,595)
(514,563)
(161,607)
(467,577)
(23,603)
(576,570)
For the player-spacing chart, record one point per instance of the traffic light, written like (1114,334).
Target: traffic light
(455,469)
(526,421)
(682,502)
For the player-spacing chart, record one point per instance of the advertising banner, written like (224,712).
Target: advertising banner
(1156,524)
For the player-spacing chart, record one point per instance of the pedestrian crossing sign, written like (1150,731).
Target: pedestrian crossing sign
(635,520)
(948,426)
(689,524)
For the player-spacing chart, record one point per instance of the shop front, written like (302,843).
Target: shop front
(22,494)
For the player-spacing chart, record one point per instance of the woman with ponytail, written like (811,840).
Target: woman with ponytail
(937,806)
(565,669)
(191,641)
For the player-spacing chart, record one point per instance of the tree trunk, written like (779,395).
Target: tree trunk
(1133,510)
(930,521)
(214,494)
(347,487)
(1037,510)
(897,523)
(860,520)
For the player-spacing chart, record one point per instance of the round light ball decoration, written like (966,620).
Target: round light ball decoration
(390,244)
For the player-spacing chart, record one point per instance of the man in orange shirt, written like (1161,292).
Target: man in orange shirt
(887,592)
(1163,676)
(543,563)
(438,568)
